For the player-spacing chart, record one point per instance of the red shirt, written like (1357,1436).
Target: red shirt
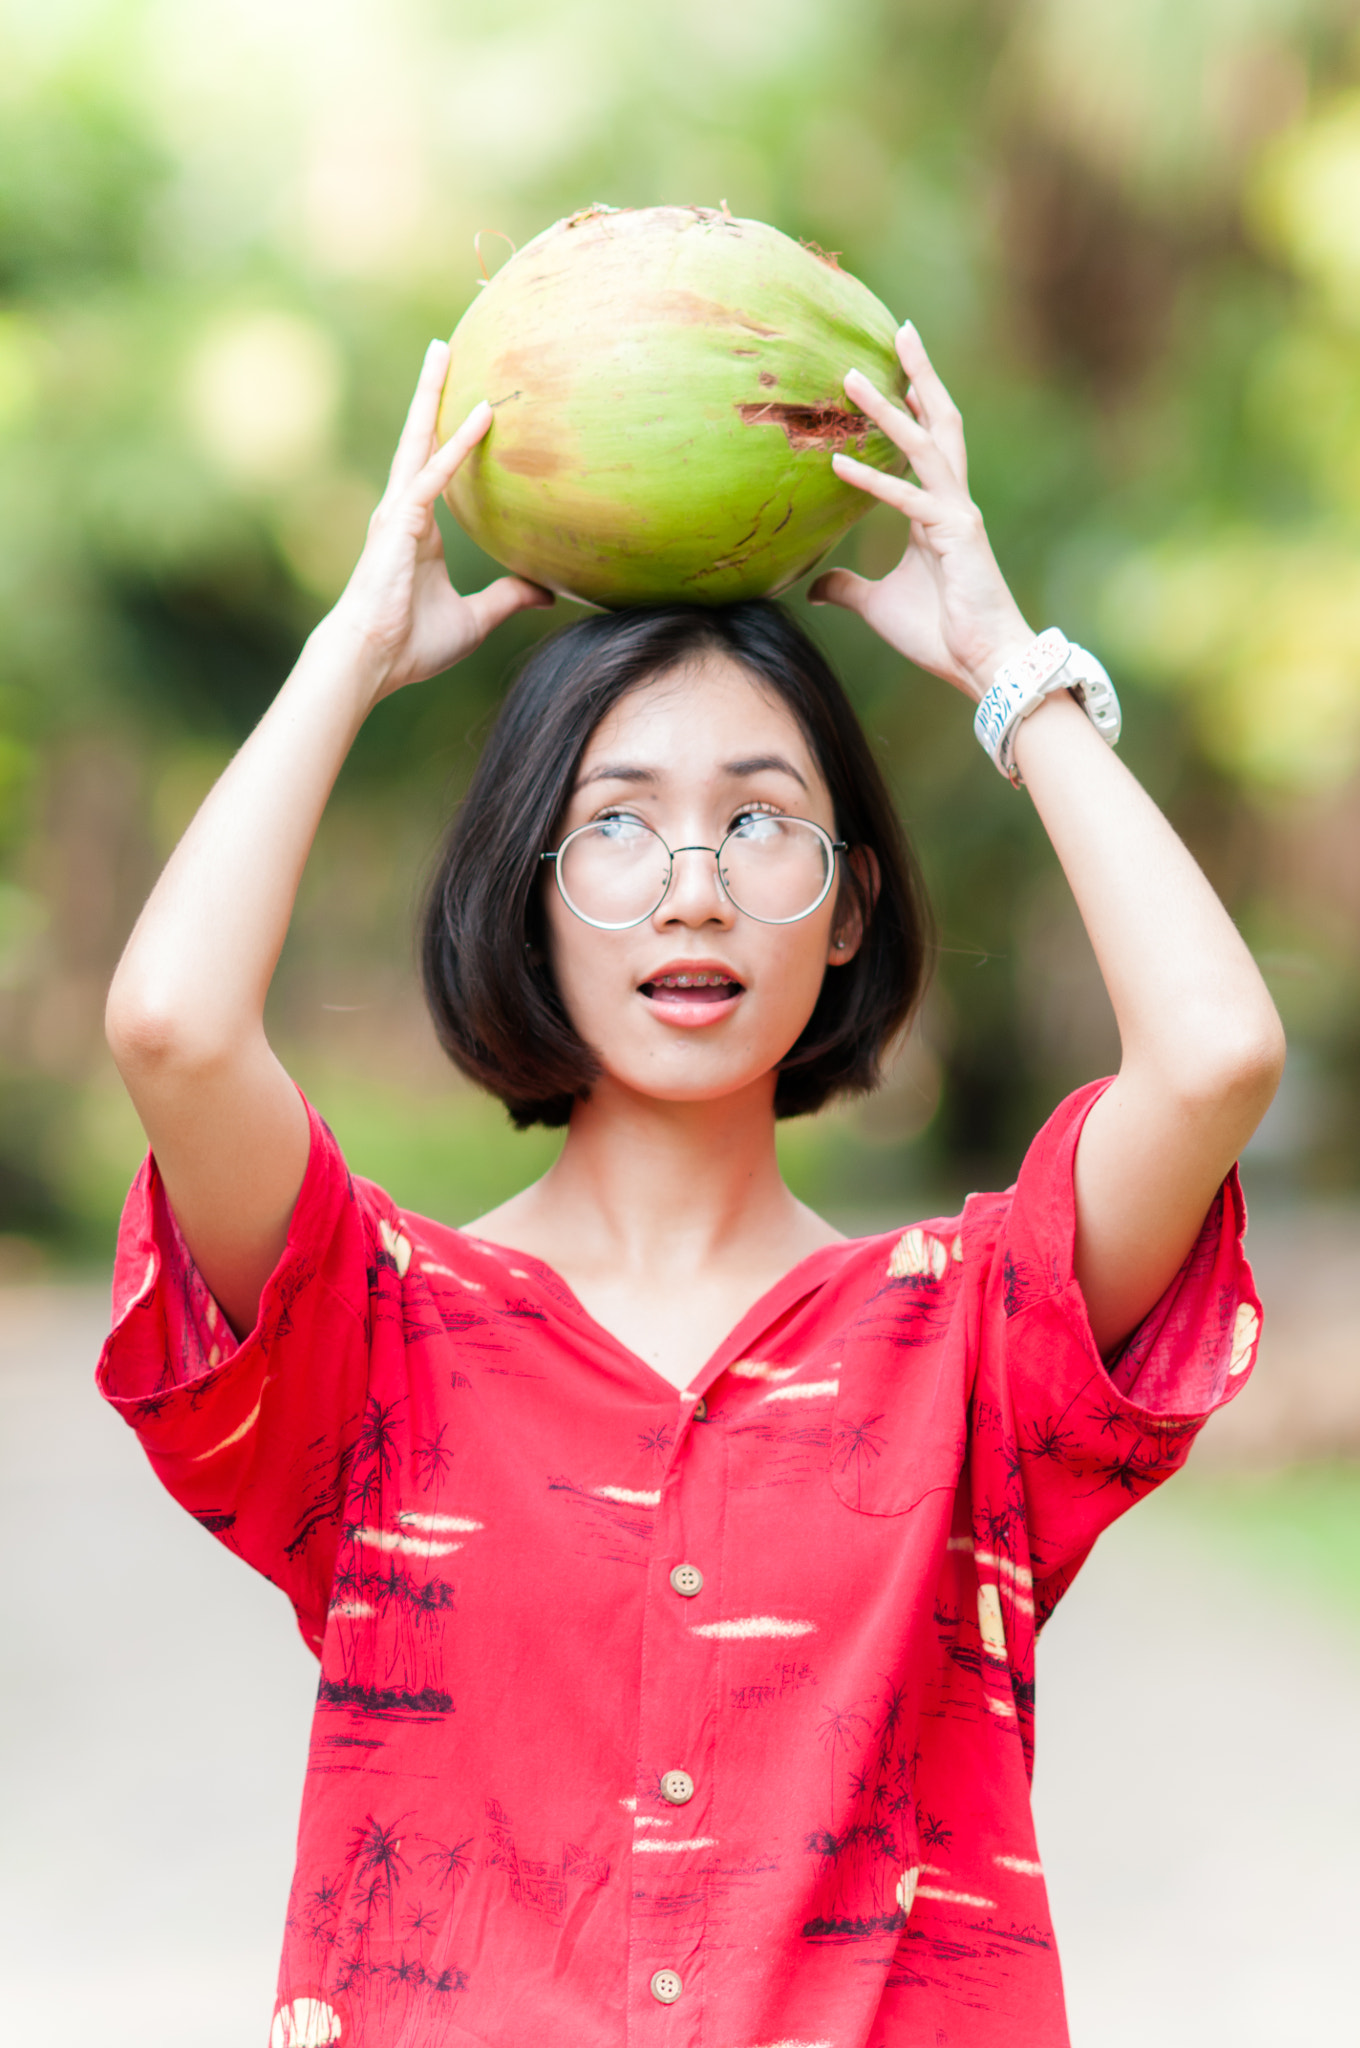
(667,1718)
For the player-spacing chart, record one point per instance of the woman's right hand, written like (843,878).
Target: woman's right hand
(399,606)
(186,1010)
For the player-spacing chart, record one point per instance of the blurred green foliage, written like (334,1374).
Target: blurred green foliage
(1298,1528)
(1129,235)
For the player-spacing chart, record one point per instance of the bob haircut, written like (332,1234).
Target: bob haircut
(484,958)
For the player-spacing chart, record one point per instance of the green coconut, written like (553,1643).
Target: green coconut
(668,389)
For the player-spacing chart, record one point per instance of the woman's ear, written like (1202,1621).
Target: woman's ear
(854,905)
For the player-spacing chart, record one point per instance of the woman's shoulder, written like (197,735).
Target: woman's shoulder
(930,1247)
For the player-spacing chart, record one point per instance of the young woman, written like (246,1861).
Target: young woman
(674,1564)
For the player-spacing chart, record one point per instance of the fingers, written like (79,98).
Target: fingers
(417,436)
(904,496)
(843,587)
(915,439)
(503,598)
(932,404)
(436,473)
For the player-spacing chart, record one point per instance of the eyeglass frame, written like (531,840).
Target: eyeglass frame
(833,847)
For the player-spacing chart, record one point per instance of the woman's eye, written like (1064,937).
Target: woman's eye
(755,824)
(619,825)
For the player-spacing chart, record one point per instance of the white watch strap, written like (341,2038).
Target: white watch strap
(1091,686)
(1049,663)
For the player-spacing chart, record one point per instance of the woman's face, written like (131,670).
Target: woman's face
(690,754)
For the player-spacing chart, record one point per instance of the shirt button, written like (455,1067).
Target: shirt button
(666,1987)
(677,1787)
(700,1409)
(687,1579)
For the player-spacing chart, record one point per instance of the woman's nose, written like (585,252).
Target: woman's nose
(695,895)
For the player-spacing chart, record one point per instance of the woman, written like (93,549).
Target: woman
(674,1564)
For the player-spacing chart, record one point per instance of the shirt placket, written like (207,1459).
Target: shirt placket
(676,1839)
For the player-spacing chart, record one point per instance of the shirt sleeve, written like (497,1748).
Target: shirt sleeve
(1083,1440)
(254,1438)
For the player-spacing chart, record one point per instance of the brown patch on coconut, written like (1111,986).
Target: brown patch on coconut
(529,461)
(689,307)
(809,426)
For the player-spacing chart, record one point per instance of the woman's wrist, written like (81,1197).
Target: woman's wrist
(1058,722)
(356,660)
(993,653)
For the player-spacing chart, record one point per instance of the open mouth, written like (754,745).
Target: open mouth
(691,988)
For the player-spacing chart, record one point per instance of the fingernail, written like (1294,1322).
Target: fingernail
(908,327)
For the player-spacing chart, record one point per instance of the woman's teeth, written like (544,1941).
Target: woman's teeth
(700,988)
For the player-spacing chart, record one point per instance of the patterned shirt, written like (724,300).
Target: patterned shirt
(667,1718)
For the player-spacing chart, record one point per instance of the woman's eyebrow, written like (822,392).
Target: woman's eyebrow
(757,763)
(753,764)
(618,771)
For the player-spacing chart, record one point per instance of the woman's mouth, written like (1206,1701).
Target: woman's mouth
(692,995)
(692,988)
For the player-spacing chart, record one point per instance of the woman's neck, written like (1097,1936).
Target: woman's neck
(665,1217)
(661,1181)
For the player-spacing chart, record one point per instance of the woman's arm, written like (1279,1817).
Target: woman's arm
(185,1017)
(1202,1047)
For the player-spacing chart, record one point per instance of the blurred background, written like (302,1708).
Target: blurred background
(1130,235)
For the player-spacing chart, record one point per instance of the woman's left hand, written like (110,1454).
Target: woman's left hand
(946,605)
(1201,1043)
(399,606)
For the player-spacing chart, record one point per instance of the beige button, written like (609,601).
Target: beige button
(687,1579)
(677,1787)
(700,1409)
(666,1987)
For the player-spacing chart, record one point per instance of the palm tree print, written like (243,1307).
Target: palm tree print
(933,1832)
(375,1453)
(858,1444)
(1132,1472)
(452,1863)
(1048,1439)
(1110,1417)
(431,1458)
(376,1850)
(894,1703)
(420,1921)
(835,1732)
(324,1903)
(874,1834)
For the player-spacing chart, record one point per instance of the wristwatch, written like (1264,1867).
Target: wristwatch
(1051,663)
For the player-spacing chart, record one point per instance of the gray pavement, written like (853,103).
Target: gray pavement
(1198,1790)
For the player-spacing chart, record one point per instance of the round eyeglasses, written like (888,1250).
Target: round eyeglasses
(616,871)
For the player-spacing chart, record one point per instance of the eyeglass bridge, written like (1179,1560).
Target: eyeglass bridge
(833,847)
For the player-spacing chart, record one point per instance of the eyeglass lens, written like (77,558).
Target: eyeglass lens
(616,871)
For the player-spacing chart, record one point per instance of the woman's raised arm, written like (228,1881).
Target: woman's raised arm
(1202,1047)
(185,1016)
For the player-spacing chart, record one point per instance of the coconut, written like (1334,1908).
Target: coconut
(668,391)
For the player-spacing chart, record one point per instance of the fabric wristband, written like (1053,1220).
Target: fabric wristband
(1050,663)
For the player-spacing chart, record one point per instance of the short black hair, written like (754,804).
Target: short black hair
(483,952)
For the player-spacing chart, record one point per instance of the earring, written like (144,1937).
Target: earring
(840,945)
